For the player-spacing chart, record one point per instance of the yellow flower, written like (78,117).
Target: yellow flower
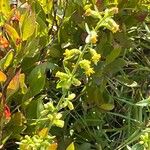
(88,12)
(85,64)
(67,53)
(92,13)
(89,71)
(71,53)
(95,56)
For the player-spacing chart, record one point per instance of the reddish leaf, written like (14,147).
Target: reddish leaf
(16,15)
(13,85)
(7,112)
(3,42)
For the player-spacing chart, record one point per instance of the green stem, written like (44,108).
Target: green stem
(100,23)
(64,90)
(79,59)
(73,73)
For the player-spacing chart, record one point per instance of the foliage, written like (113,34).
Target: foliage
(74,74)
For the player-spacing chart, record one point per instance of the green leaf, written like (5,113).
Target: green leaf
(16,125)
(42,27)
(7,60)
(138,147)
(71,147)
(4,7)
(115,66)
(80,3)
(85,146)
(102,99)
(32,48)
(124,80)
(37,79)
(143,103)
(107,102)
(22,83)
(34,108)
(113,55)
(46,5)
(28,26)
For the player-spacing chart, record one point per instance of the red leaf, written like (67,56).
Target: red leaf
(7,112)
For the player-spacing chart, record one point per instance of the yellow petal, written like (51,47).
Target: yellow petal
(53,146)
(2,77)
(43,132)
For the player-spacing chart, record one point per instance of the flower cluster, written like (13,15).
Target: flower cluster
(50,114)
(86,65)
(145,140)
(36,142)
(66,80)
(67,102)
(105,20)
(111,25)
(71,53)
(95,56)
(90,12)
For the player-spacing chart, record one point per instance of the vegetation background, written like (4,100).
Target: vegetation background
(74,74)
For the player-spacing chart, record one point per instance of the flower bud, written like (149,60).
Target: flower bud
(62,75)
(71,96)
(76,82)
(92,37)
(59,123)
(92,13)
(58,116)
(85,64)
(71,53)
(89,71)
(111,25)
(70,106)
(50,117)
